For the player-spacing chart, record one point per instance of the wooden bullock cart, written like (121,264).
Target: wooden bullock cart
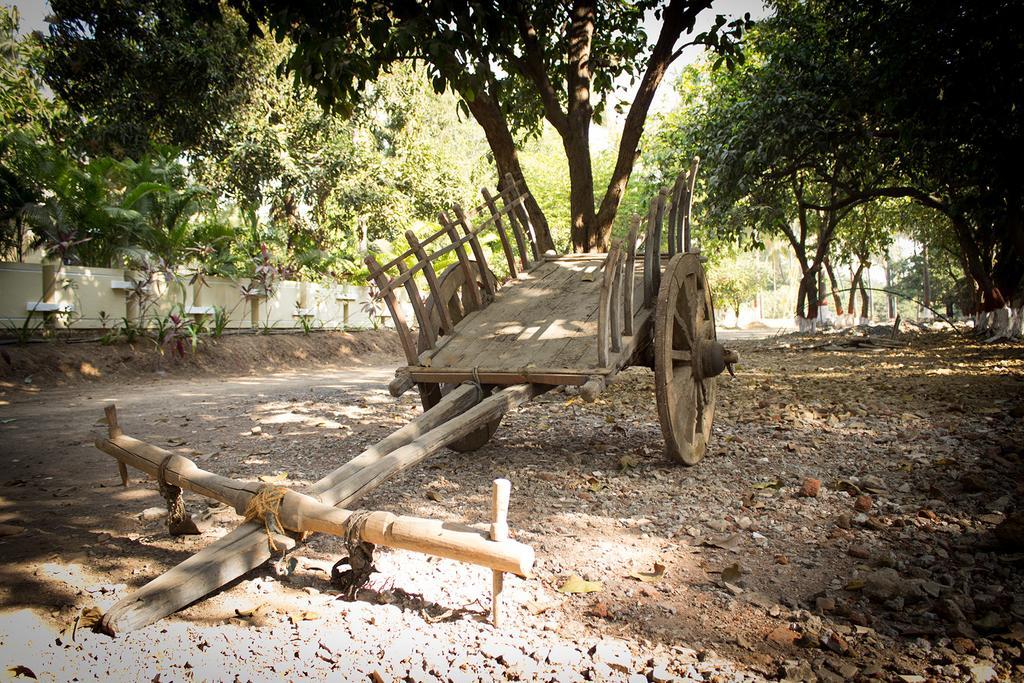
(479,350)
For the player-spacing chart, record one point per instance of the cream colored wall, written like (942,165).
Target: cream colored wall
(90,291)
(20,283)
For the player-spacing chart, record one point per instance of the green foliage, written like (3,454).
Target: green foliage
(221,318)
(138,72)
(736,280)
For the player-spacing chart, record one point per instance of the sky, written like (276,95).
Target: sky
(33,14)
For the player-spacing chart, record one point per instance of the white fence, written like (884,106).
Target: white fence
(93,298)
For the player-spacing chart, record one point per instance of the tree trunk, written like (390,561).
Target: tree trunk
(890,300)
(926,276)
(864,302)
(807,301)
(977,265)
(584,230)
(854,282)
(506,157)
(835,286)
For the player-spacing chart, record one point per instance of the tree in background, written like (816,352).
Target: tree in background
(513,65)
(137,72)
(840,105)
(25,117)
(320,184)
(737,279)
(947,88)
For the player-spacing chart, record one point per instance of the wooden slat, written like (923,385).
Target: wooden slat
(650,255)
(570,321)
(517,233)
(675,237)
(551,376)
(505,245)
(418,308)
(604,308)
(687,204)
(478,251)
(616,303)
(519,206)
(630,268)
(435,288)
(472,287)
(404,335)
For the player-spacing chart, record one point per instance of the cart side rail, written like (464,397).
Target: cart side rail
(645,236)
(505,212)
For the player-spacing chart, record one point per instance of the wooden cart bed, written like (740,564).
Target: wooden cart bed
(543,325)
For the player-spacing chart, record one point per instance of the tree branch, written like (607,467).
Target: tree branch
(677,15)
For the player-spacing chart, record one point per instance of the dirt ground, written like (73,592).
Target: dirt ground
(724,571)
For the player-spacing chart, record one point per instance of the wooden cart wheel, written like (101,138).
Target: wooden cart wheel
(452,283)
(687,358)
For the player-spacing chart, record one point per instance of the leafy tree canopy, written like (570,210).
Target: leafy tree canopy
(513,64)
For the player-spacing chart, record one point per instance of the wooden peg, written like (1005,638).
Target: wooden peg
(499,532)
(114,431)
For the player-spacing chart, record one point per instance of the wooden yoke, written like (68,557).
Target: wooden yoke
(302,513)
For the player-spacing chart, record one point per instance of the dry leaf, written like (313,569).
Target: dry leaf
(305,615)
(627,461)
(541,606)
(577,584)
(650,577)
(87,618)
(274,478)
(257,612)
(854,584)
(600,609)
(20,671)
(434,496)
(774,484)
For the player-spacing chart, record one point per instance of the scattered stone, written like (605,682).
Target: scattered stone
(862,503)
(844,521)
(614,653)
(983,672)
(153,514)
(858,551)
(887,584)
(835,642)
(783,636)
(810,488)
(719,525)
(259,430)
(797,671)
(1010,531)
(825,605)
(973,482)
(563,655)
